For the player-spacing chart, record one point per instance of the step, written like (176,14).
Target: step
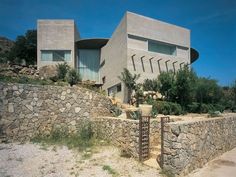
(152,163)
(156,148)
(154,154)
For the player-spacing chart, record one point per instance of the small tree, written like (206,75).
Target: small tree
(166,84)
(150,85)
(129,80)
(73,77)
(207,91)
(62,69)
(185,86)
(24,49)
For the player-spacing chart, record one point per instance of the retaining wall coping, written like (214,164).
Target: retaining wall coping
(50,87)
(115,118)
(192,121)
(122,119)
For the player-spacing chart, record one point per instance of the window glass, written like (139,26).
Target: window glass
(114,89)
(46,56)
(56,55)
(89,63)
(161,48)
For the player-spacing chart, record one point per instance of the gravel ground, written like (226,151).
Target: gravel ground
(32,160)
(223,166)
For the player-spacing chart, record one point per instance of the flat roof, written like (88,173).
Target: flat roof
(92,43)
(193,55)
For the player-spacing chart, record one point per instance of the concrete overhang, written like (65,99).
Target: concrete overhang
(92,43)
(194,55)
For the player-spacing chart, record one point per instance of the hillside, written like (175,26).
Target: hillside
(5,44)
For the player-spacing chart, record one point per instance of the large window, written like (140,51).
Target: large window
(55,55)
(154,46)
(89,63)
(114,89)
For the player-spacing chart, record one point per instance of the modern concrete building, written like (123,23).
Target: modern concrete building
(143,45)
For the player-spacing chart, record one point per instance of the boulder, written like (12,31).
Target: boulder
(48,71)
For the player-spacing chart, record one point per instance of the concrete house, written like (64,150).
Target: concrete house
(143,45)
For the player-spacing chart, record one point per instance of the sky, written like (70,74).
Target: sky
(212,24)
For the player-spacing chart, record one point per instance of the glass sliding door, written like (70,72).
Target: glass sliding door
(88,65)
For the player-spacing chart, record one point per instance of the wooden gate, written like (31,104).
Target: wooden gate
(144,127)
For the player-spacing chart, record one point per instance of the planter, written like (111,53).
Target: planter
(133,113)
(146,109)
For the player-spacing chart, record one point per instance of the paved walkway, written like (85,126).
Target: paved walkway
(223,166)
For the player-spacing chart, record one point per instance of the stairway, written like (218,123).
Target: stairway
(155,152)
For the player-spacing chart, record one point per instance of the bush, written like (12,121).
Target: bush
(214,114)
(116,111)
(150,85)
(133,114)
(54,78)
(73,77)
(86,132)
(61,136)
(166,108)
(62,70)
(219,107)
(154,111)
(194,107)
(24,80)
(205,108)
(176,109)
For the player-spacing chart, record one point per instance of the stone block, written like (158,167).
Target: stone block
(10,107)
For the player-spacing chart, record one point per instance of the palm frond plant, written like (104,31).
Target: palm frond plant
(129,80)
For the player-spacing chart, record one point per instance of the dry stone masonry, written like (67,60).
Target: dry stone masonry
(27,110)
(125,133)
(191,144)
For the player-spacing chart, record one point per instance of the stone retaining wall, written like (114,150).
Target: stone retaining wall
(190,145)
(125,133)
(26,110)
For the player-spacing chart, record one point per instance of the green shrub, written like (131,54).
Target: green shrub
(154,110)
(62,69)
(86,132)
(166,108)
(214,114)
(150,85)
(54,78)
(110,170)
(133,114)
(24,80)
(149,100)
(205,108)
(176,109)
(61,136)
(73,77)
(219,107)
(194,107)
(116,111)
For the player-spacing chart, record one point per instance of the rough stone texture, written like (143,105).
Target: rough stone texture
(26,110)
(47,71)
(125,133)
(191,144)
(18,71)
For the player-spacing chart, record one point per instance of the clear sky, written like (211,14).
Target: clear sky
(212,24)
